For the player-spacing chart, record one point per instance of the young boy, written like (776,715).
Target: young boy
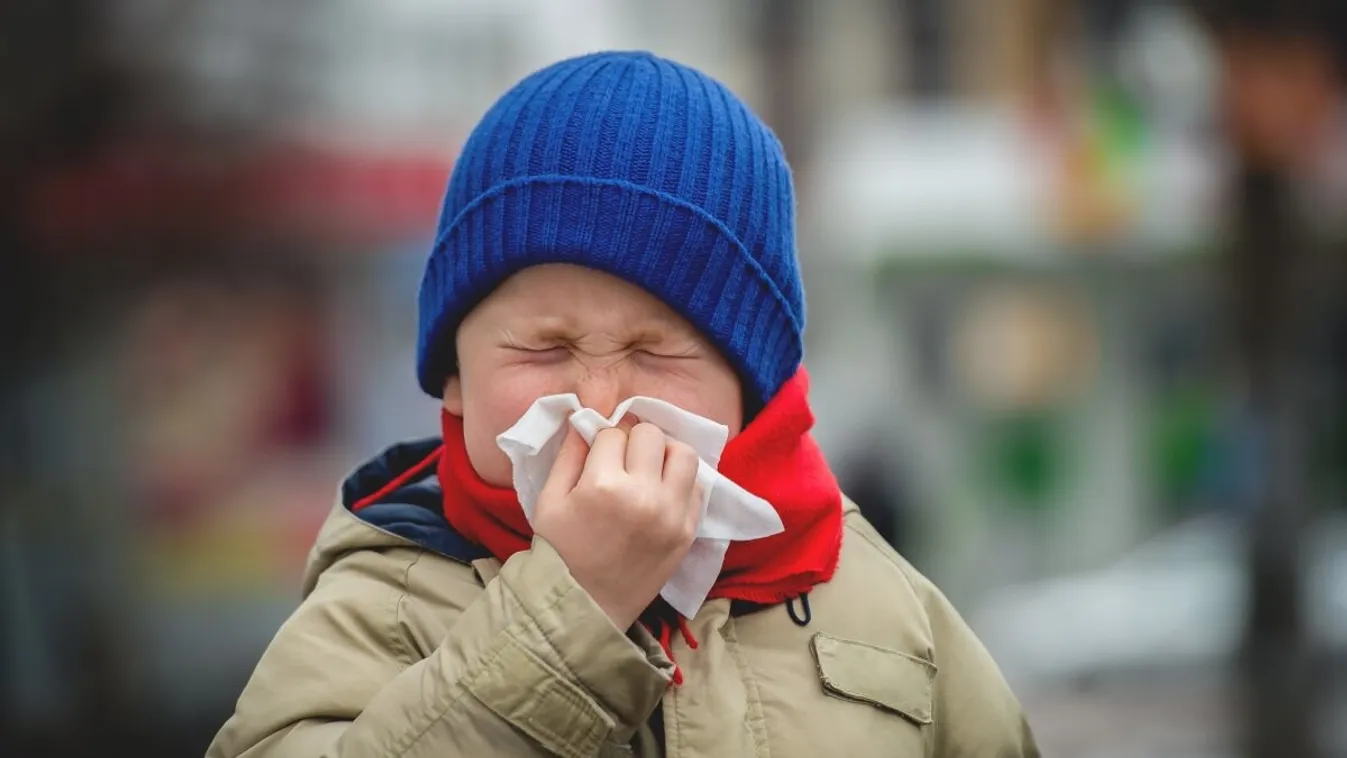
(617,225)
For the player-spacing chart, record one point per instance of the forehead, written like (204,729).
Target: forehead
(574,297)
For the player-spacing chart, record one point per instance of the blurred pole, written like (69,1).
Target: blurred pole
(920,31)
(1280,696)
(1278,86)
(61,98)
(780,41)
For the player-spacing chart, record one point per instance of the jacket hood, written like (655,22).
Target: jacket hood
(409,516)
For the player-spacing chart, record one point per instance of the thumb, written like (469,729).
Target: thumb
(568,466)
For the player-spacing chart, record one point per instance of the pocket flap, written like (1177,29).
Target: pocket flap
(884,678)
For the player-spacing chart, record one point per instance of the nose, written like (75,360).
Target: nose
(600,388)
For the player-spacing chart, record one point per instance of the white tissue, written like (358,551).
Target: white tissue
(729,512)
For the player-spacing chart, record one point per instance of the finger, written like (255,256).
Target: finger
(693,515)
(646,449)
(608,453)
(680,467)
(569,464)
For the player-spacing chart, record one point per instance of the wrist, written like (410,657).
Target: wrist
(623,618)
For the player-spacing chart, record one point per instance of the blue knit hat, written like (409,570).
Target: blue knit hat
(640,167)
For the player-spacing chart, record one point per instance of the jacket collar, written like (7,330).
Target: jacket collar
(413,511)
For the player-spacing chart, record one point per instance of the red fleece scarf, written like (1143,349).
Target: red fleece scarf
(774,457)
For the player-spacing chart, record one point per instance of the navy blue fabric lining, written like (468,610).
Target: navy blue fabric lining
(424,527)
(369,477)
(413,512)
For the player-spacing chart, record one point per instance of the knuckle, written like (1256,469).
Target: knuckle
(688,533)
(654,509)
(608,486)
(679,532)
(647,429)
(681,451)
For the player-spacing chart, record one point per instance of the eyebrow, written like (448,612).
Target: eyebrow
(646,334)
(557,329)
(553,332)
(539,327)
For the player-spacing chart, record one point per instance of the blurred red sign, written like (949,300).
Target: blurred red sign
(287,190)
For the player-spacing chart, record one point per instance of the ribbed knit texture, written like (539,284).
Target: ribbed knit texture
(640,167)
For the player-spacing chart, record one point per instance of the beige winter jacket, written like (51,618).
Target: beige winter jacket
(401,650)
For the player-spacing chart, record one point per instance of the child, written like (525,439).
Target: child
(617,225)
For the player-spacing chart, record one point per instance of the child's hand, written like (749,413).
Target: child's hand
(621,514)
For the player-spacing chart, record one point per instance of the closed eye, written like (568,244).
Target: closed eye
(668,355)
(554,352)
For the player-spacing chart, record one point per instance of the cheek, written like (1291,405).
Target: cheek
(493,401)
(707,390)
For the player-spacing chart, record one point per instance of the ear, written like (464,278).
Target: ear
(453,395)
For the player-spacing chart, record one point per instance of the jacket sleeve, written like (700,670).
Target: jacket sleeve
(531,667)
(974,712)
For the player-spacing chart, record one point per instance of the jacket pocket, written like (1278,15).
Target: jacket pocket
(887,679)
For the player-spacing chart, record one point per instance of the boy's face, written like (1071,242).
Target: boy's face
(555,329)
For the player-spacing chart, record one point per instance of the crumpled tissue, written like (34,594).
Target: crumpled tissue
(729,512)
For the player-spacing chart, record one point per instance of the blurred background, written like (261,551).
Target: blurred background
(1078,331)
